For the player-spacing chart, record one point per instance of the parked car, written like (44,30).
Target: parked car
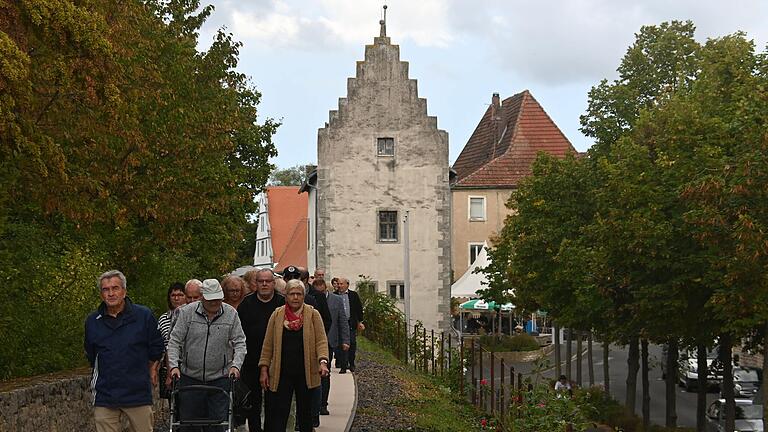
(749,417)
(688,364)
(746,382)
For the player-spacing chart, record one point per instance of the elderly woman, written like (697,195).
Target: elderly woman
(175,298)
(293,359)
(234,290)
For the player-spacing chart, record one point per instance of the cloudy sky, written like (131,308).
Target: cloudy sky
(299,53)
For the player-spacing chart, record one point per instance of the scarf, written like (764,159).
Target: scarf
(293,321)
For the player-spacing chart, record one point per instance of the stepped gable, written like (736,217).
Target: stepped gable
(506,142)
(381,80)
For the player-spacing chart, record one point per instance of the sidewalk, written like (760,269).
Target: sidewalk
(342,403)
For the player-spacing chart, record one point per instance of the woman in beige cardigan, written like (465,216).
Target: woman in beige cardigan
(293,358)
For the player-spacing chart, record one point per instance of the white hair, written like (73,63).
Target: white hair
(109,275)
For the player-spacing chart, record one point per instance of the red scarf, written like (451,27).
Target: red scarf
(293,321)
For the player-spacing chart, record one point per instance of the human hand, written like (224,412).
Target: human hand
(264,377)
(153,376)
(174,373)
(233,371)
(324,369)
(360,326)
(345,347)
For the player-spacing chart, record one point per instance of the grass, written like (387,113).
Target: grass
(427,401)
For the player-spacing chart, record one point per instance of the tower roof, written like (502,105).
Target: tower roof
(506,141)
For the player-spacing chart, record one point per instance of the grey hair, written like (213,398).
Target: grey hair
(293,283)
(197,282)
(111,274)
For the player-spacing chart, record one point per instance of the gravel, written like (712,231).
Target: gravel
(378,392)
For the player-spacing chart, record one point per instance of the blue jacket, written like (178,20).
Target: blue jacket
(119,350)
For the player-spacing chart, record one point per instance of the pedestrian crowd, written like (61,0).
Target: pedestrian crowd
(277,334)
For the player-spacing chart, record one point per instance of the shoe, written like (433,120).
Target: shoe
(352,369)
(324,411)
(296,429)
(343,371)
(316,421)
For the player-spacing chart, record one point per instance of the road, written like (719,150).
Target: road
(617,362)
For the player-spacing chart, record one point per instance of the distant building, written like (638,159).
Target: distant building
(497,156)
(281,236)
(381,155)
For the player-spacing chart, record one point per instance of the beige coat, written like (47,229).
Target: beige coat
(315,346)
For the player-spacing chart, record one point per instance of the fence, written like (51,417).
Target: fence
(478,374)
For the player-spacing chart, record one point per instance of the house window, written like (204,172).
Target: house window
(385,146)
(474,251)
(477,208)
(396,289)
(387,226)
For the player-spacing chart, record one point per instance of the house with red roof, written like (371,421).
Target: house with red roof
(497,156)
(281,237)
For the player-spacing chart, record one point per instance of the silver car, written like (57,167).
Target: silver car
(749,417)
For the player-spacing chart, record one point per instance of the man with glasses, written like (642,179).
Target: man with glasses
(254,312)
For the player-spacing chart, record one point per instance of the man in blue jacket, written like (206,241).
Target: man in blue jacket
(123,346)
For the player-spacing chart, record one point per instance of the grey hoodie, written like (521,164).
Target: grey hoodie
(205,350)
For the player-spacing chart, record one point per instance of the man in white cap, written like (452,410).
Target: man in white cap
(212,340)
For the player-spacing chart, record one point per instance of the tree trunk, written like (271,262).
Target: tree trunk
(671,382)
(568,354)
(590,361)
(646,385)
(579,362)
(726,359)
(764,386)
(558,359)
(633,365)
(606,369)
(701,399)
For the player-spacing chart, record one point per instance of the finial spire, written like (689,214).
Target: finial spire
(383,22)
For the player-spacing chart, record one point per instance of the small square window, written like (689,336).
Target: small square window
(385,146)
(396,290)
(477,208)
(387,226)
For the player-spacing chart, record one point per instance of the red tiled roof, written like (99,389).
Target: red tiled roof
(500,153)
(288,223)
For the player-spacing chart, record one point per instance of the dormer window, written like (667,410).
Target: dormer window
(385,146)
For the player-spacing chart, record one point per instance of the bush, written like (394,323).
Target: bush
(521,342)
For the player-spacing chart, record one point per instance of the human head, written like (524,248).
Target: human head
(291,272)
(213,295)
(304,276)
(176,295)
(250,281)
(280,285)
(335,283)
(343,284)
(294,293)
(192,290)
(264,283)
(234,289)
(112,287)
(562,379)
(320,285)
(320,274)
(311,279)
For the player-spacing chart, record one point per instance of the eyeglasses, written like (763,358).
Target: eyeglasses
(264,281)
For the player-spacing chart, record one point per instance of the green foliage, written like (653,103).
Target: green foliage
(121,146)
(293,176)
(521,342)
(385,324)
(542,410)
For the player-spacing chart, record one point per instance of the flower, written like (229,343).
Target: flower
(541,405)
(483,422)
(483,382)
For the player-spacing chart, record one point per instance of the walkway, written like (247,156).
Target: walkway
(342,403)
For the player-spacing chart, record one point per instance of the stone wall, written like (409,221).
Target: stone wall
(53,403)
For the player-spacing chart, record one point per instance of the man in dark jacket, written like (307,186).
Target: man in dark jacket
(254,312)
(354,309)
(123,346)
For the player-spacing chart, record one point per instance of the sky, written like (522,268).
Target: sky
(299,53)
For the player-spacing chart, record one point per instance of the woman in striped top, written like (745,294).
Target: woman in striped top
(175,299)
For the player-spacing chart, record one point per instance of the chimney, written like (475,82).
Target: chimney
(495,101)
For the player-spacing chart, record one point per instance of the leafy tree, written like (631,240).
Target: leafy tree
(293,176)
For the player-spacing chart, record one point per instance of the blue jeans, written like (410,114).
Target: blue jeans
(204,405)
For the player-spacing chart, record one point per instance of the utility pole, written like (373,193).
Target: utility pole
(407,280)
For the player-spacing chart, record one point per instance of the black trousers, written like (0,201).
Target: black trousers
(257,398)
(280,403)
(326,381)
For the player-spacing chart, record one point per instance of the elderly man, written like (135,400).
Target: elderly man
(209,334)
(338,335)
(254,312)
(234,290)
(192,290)
(123,346)
(354,309)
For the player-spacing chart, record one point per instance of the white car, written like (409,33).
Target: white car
(749,417)
(688,372)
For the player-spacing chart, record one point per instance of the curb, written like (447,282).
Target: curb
(354,407)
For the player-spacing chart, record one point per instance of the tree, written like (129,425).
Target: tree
(293,176)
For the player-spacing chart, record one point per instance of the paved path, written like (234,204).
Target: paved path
(341,403)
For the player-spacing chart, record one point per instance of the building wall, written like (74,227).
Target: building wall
(466,231)
(262,254)
(312,229)
(354,184)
